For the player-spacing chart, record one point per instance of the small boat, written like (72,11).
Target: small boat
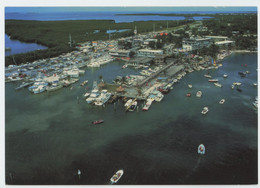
(205,110)
(213,80)
(237,83)
(86,95)
(222,101)
(84,83)
(198,94)
(147,105)
(225,75)
(201,149)
(188,94)
(189,85)
(255,104)
(207,76)
(255,84)
(232,86)
(217,84)
(242,74)
(116,176)
(133,106)
(97,122)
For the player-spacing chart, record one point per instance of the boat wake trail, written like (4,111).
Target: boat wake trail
(194,168)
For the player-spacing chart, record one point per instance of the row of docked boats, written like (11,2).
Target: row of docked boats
(100,61)
(98,98)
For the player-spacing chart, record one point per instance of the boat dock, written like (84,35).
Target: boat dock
(156,74)
(130,96)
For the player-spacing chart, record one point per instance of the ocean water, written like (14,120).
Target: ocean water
(50,136)
(18,47)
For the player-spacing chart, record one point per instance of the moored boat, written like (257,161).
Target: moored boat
(207,76)
(147,105)
(188,94)
(237,83)
(198,94)
(116,176)
(189,85)
(225,75)
(84,83)
(213,80)
(133,106)
(217,84)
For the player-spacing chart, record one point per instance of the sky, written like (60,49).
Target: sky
(137,9)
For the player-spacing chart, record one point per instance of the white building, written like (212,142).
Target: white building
(149,53)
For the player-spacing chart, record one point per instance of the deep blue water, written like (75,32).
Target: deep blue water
(20,47)
(50,136)
(50,16)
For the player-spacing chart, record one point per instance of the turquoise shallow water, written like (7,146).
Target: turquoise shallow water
(50,136)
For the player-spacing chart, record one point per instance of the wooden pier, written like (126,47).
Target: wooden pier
(130,96)
(155,74)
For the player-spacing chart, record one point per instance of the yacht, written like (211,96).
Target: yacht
(103,98)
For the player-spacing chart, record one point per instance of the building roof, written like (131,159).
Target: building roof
(224,42)
(147,50)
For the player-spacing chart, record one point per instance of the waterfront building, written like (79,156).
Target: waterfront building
(196,43)
(149,53)
(160,59)
(119,53)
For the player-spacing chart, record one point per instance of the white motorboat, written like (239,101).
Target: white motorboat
(133,106)
(207,76)
(205,110)
(54,87)
(237,83)
(222,101)
(147,105)
(128,103)
(86,94)
(199,94)
(225,75)
(217,84)
(201,149)
(189,85)
(116,176)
